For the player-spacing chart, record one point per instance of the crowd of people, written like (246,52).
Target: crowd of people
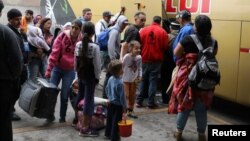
(71,55)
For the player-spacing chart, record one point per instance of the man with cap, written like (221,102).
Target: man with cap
(103,23)
(10,69)
(184,18)
(14,17)
(168,63)
(100,26)
(114,44)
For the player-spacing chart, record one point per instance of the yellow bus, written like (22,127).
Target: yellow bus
(231,27)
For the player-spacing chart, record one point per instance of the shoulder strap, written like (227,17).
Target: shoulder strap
(197,42)
(60,54)
(103,25)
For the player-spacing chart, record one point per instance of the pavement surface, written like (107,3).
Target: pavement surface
(152,125)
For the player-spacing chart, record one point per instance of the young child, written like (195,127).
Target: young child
(132,73)
(116,97)
(88,68)
(35,38)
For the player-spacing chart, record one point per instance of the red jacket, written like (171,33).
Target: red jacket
(183,97)
(154,41)
(63,50)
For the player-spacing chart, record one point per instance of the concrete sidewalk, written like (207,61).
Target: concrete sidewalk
(152,125)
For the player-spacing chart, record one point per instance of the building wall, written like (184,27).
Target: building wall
(22,5)
(22,2)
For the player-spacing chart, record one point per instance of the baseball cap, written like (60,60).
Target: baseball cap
(107,14)
(184,14)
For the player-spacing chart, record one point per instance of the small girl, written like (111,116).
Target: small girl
(132,68)
(116,97)
(35,38)
(88,67)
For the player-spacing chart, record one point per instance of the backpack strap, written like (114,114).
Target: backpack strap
(199,45)
(60,54)
(103,25)
(197,42)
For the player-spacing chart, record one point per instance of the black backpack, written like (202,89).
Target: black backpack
(205,74)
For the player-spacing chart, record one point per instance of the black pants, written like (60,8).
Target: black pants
(7,92)
(166,74)
(113,117)
(17,86)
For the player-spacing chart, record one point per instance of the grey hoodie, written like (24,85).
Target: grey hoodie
(115,38)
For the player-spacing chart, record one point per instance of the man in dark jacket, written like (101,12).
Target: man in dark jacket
(10,69)
(14,17)
(132,32)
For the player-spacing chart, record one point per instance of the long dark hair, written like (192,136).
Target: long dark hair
(88,30)
(203,26)
(42,23)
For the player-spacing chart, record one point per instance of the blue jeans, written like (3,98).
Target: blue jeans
(150,73)
(105,59)
(200,116)
(36,67)
(87,91)
(67,77)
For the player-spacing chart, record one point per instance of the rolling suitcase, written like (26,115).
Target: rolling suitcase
(38,99)
(28,96)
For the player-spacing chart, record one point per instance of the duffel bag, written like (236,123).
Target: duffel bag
(28,97)
(47,98)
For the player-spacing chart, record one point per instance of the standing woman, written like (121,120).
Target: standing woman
(61,64)
(184,98)
(45,25)
(88,67)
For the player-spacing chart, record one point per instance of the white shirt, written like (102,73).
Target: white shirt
(132,67)
(93,52)
(100,26)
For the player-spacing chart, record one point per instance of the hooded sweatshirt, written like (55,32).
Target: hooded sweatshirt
(62,54)
(115,38)
(35,38)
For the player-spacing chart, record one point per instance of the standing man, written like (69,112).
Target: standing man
(114,43)
(184,18)
(168,63)
(10,69)
(14,17)
(103,23)
(86,15)
(27,20)
(100,26)
(132,32)
(154,41)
